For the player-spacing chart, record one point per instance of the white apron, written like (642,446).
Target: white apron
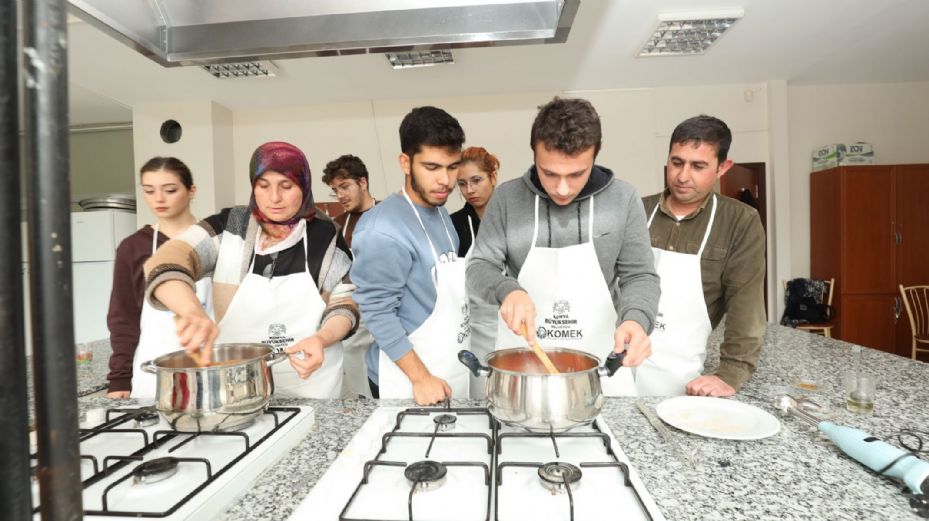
(280,312)
(682,325)
(483,328)
(572,301)
(445,332)
(158,334)
(354,370)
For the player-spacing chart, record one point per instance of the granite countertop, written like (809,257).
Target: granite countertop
(795,474)
(91,377)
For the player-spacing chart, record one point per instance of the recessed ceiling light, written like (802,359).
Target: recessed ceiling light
(682,34)
(406,60)
(257,69)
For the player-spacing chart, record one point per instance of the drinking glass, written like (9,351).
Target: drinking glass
(860,391)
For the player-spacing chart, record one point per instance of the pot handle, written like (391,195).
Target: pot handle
(275,357)
(149,367)
(612,364)
(470,361)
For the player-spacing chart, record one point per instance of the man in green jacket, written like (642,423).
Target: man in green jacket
(710,254)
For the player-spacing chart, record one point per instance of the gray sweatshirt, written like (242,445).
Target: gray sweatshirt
(621,240)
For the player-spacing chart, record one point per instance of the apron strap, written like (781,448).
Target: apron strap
(155,239)
(306,259)
(535,225)
(590,221)
(451,243)
(654,211)
(421,225)
(348,219)
(709,227)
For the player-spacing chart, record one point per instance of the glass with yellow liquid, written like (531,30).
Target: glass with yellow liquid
(860,391)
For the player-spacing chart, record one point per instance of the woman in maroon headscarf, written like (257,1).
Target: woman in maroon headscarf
(279,273)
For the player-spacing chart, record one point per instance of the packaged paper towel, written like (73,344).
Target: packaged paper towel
(858,154)
(843,154)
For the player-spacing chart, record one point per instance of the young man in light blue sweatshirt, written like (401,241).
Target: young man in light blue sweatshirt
(410,283)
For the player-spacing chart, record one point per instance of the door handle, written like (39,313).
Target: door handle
(898,309)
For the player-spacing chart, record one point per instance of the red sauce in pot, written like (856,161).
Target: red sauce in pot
(526,362)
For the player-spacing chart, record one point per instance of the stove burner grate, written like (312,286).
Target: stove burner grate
(155,470)
(151,471)
(557,476)
(426,474)
(445,422)
(146,419)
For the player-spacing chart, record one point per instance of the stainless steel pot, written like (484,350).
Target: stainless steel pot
(226,395)
(520,392)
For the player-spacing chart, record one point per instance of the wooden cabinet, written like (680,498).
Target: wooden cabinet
(870,230)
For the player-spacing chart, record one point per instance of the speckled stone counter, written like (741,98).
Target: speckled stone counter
(91,376)
(796,474)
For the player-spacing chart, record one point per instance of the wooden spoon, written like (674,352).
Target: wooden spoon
(195,356)
(537,349)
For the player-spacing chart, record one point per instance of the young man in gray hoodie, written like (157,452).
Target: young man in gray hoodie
(565,249)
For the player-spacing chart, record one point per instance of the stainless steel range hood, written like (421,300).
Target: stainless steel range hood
(201,32)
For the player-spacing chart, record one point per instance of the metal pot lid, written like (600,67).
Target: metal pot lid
(120,201)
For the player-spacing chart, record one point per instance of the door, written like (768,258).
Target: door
(912,238)
(868,320)
(746,182)
(333,210)
(868,230)
(912,224)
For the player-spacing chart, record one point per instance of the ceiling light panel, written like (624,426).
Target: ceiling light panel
(684,34)
(407,60)
(253,69)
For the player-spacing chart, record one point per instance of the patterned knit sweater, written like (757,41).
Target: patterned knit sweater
(194,255)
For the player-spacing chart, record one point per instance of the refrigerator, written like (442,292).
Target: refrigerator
(95,235)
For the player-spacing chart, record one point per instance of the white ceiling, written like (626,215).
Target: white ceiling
(801,41)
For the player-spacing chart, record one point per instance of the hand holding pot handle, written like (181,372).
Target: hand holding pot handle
(612,364)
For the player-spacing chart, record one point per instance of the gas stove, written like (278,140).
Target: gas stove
(444,463)
(134,465)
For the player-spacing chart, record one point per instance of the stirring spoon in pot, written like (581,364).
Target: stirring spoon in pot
(539,352)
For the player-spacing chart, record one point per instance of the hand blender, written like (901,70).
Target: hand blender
(874,453)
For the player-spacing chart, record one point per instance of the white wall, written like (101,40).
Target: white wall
(894,117)
(101,162)
(323,133)
(637,124)
(206,140)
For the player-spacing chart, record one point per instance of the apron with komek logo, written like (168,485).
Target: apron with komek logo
(281,311)
(682,325)
(573,305)
(445,332)
(158,334)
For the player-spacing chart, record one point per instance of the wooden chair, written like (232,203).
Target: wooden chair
(824,329)
(916,301)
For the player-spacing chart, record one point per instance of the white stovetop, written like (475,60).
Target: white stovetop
(210,501)
(464,495)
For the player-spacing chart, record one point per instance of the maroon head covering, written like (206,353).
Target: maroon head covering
(289,161)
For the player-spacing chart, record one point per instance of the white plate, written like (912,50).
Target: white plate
(718,418)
